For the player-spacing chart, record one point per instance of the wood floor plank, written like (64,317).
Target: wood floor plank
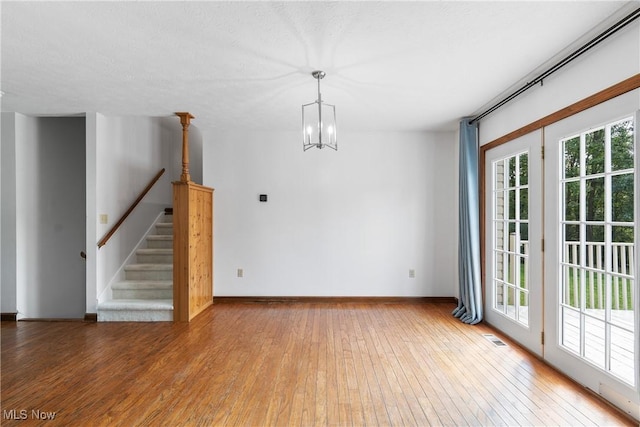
(292,363)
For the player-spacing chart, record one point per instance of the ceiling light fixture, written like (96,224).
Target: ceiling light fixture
(319,122)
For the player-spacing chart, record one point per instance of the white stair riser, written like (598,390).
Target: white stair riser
(148,274)
(164,229)
(159,244)
(155,258)
(142,293)
(135,315)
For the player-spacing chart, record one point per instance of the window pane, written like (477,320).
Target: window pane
(594,331)
(571,329)
(524,238)
(524,272)
(524,307)
(572,157)
(511,161)
(499,209)
(524,169)
(594,199)
(595,294)
(594,152)
(572,290)
(622,354)
(499,296)
(512,204)
(622,198)
(500,266)
(594,254)
(524,203)
(621,234)
(572,253)
(622,145)
(622,301)
(571,233)
(572,201)
(595,233)
(511,310)
(499,174)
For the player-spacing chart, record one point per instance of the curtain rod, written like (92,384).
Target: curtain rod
(575,54)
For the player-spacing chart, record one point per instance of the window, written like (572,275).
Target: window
(511,237)
(598,246)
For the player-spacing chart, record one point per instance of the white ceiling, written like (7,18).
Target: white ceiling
(246,65)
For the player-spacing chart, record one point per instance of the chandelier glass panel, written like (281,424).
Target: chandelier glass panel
(319,122)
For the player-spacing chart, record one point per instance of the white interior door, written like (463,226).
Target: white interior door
(513,239)
(591,231)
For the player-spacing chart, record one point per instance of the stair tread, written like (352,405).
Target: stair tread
(143,284)
(159,237)
(155,251)
(148,267)
(136,304)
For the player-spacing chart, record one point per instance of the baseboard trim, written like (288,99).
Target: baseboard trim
(8,317)
(91,317)
(336,300)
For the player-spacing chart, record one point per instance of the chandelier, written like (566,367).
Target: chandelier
(319,122)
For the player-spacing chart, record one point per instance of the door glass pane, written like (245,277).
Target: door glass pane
(524,308)
(598,248)
(622,198)
(510,238)
(622,352)
(594,152)
(571,287)
(594,341)
(570,330)
(524,169)
(594,199)
(572,201)
(571,235)
(511,162)
(622,152)
(571,149)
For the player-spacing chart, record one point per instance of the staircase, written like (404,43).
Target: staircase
(146,294)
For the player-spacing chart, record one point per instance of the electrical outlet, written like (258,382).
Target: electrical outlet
(104,219)
(240,272)
(412,274)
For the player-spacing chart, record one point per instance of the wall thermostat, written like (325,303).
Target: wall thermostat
(263,197)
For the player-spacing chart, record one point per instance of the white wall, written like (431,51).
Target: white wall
(124,154)
(195,154)
(346,223)
(8,268)
(612,61)
(44,227)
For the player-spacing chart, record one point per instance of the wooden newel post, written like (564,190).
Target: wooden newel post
(192,239)
(185,120)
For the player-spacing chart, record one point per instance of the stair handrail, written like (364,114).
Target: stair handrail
(117,225)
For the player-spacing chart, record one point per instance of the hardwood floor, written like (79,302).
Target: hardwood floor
(294,363)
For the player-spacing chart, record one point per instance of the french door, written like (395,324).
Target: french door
(513,222)
(561,246)
(591,226)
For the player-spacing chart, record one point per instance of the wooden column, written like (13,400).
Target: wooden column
(185,120)
(192,239)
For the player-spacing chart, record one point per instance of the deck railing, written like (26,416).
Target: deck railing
(590,271)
